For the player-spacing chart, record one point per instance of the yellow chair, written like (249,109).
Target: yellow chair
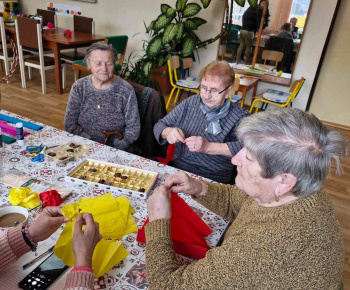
(189,84)
(273,55)
(235,98)
(278,98)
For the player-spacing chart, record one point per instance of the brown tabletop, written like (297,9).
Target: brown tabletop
(56,40)
(245,84)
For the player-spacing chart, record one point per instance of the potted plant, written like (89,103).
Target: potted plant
(172,33)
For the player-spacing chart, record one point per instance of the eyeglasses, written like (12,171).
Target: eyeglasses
(213,92)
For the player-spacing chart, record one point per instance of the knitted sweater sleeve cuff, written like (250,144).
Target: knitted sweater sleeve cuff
(157,229)
(79,280)
(158,129)
(17,244)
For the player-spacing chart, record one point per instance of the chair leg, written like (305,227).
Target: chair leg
(7,70)
(43,81)
(64,70)
(75,75)
(177,96)
(171,93)
(29,72)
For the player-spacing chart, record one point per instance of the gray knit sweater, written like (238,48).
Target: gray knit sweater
(118,112)
(189,117)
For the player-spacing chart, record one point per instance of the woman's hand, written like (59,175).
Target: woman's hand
(181,182)
(85,241)
(159,204)
(173,135)
(49,220)
(197,144)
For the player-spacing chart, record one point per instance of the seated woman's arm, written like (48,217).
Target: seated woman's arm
(132,123)
(73,110)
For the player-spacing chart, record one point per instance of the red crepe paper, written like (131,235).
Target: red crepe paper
(170,153)
(67,32)
(187,230)
(50,25)
(50,198)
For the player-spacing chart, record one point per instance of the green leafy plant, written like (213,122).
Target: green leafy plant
(173,33)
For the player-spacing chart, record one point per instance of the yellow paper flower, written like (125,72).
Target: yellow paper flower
(32,200)
(17,194)
(69,210)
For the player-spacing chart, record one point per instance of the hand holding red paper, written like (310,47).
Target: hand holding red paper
(159,204)
(181,182)
(85,241)
(49,220)
(173,135)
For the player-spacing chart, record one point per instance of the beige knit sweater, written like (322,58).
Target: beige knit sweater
(296,246)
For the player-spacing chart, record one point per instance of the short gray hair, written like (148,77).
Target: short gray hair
(101,46)
(286,27)
(288,140)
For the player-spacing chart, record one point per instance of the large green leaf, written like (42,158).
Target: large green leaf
(162,21)
(180,5)
(205,3)
(160,60)
(164,8)
(154,46)
(253,3)
(169,34)
(171,12)
(180,31)
(240,2)
(150,27)
(147,68)
(191,10)
(198,21)
(188,45)
(189,24)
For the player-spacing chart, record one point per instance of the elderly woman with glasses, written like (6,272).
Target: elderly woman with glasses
(103,102)
(203,126)
(284,233)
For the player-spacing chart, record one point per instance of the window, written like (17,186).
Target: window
(299,10)
(237,13)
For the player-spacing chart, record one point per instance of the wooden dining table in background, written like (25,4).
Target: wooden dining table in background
(56,40)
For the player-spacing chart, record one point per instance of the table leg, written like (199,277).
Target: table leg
(58,69)
(244,93)
(254,90)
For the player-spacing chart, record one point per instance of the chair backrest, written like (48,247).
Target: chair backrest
(48,16)
(173,65)
(2,31)
(119,42)
(295,89)
(83,24)
(235,86)
(272,55)
(232,35)
(27,32)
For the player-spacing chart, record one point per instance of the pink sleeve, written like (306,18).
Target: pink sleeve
(12,246)
(80,279)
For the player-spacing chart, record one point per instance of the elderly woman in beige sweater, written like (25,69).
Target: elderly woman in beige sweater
(284,232)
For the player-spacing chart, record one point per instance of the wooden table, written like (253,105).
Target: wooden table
(54,39)
(245,84)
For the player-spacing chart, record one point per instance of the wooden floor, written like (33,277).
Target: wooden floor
(50,109)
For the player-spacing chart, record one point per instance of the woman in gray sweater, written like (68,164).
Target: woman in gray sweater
(203,126)
(103,102)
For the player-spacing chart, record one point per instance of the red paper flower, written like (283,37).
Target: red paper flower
(50,198)
(68,32)
(50,25)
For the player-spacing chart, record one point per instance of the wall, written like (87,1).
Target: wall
(331,99)
(117,17)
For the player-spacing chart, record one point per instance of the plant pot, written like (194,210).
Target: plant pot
(163,80)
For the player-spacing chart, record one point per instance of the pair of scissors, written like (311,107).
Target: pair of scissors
(40,156)
(34,149)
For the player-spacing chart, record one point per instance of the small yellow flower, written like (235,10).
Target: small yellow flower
(32,200)
(17,194)
(69,210)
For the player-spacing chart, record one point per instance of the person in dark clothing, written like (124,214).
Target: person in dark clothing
(251,23)
(285,31)
(294,21)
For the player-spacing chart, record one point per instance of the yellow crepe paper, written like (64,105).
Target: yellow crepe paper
(115,221)
(23,196)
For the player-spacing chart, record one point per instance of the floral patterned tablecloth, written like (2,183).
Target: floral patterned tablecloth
(129,273)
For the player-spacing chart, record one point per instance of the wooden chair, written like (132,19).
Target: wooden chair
(273,55)
(229,44)
(28,33)
(186,85)
(81,24)
(48,16)
(119,42)
(233,97)
(278,98)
